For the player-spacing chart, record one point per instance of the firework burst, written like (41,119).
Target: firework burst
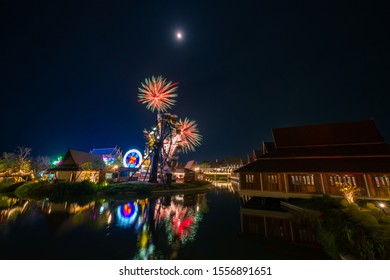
(157,94)
(189,134)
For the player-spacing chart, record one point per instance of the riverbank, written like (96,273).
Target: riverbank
(66,190)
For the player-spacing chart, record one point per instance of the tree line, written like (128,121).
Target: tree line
(21,165)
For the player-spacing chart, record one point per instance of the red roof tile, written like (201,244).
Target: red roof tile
(358,165)
(360,132)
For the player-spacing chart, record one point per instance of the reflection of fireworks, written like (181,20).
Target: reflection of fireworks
(189,134)
(181,222)
(157,94)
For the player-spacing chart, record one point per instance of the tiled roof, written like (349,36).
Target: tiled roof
(244,161)
(331,151)
(342,147)
(360,132)
(190,164)
(362,164)
(257,153)
(73,161)
(268,147)
(105,151)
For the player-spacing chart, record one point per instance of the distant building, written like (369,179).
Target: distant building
(310,160)
(191,165)
(109,155)
(178,175)
(187,173)
(219,169)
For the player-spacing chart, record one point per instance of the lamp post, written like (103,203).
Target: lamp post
(382,206)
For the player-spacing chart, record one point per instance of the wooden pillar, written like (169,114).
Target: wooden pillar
(292,231)
(322,183)
(367,188)
(371,186)
(279,178)
(242,223)
(261,181)
(285,182)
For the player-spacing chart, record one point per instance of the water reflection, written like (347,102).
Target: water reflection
(127,213)
(265,218)
(159,227)
(218,224)
(231,186)
(10,209)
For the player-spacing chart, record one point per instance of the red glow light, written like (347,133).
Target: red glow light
(184,227)
(127,210)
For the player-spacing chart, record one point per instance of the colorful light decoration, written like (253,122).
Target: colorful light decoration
(57,161)
(185,137)
(132,158)
(126,214)
(108,160)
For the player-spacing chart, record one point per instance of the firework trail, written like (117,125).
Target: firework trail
(189,135)
(157,94)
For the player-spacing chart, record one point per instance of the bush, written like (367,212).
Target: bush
(63,190)
(361,231)
(379,215)
(10,187)
(28,190)
(344,203)
(370,205)
(5,202)
(328,242)
(362,216)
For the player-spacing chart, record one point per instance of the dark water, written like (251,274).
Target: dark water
(211,225)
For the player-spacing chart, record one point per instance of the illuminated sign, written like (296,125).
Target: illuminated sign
(132,158)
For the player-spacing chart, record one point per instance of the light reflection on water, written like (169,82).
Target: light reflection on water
(211,225)
(175,218)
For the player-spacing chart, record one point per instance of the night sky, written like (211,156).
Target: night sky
(70,70)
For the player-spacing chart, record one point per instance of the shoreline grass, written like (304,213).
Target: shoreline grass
(68,190)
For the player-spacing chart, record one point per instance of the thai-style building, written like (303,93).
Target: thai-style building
(78,166)
(305,161)
(187,173)
(109,155)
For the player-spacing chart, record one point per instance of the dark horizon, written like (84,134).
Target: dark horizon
(70,70)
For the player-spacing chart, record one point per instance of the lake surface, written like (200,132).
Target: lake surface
(213,225)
